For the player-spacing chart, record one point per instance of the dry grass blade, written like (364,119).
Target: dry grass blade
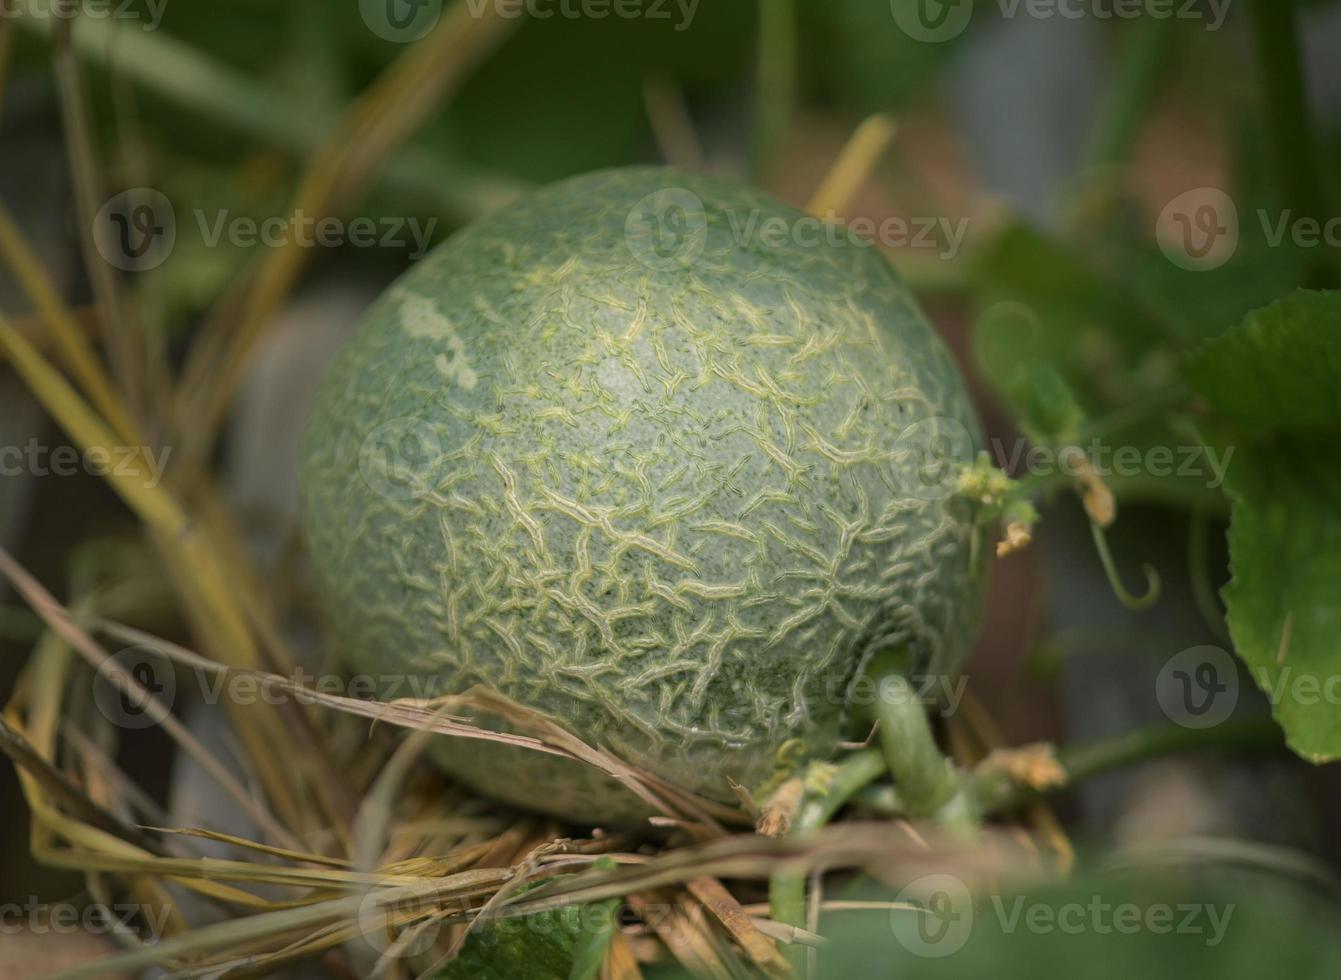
(236,933)
(70,338)
(133,482)
(93,758)
(423,716)
(672,802)
(281,852)
(723,905)
(414,715)
(191,556)
(678,933)
(620,963)
(59,787)
(126,355)
(59,619)
(672,126)
(850,845)
(373,821)
(853,166)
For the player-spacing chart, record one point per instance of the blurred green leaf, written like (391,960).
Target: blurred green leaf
(1275,382)
(1095,928)
(1067,315)
(1284,600)
(1046,406)
(1216,920)
(858,51)
(563,944)
(1278,369)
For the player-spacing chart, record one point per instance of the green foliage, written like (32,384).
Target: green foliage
(1055,337)
(1047,408)
(878,64)
(1094,927)
(1284,600)
(1276,379)
(567,943)
(1278,369)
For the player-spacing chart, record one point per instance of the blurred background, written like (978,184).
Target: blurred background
(1042,153)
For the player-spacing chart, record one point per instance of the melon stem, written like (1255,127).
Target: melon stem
(786,890)
(929,785)
(927,781)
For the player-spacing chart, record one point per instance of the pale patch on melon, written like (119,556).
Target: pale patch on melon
(421,318)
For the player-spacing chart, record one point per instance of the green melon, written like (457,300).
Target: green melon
(653,454)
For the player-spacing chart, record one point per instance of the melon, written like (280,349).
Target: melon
(659,457)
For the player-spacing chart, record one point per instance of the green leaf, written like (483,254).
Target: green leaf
(1096,927)
(562,944)
(861,54)
(1275,380)
(1045,305)
(1280,368)
(1284,599)
(1046,406)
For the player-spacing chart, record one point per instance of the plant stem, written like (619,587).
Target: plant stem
(775,80)
(1132,92)
(926,779)
(1276,35)
(787,891)
(995,791)
(930,785)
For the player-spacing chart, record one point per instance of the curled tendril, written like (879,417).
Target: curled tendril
(1152,584)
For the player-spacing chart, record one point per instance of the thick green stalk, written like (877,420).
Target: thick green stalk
(1132,93)
(995,791)
(1277,41)
(775,79)
(787,892)
(929,784)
